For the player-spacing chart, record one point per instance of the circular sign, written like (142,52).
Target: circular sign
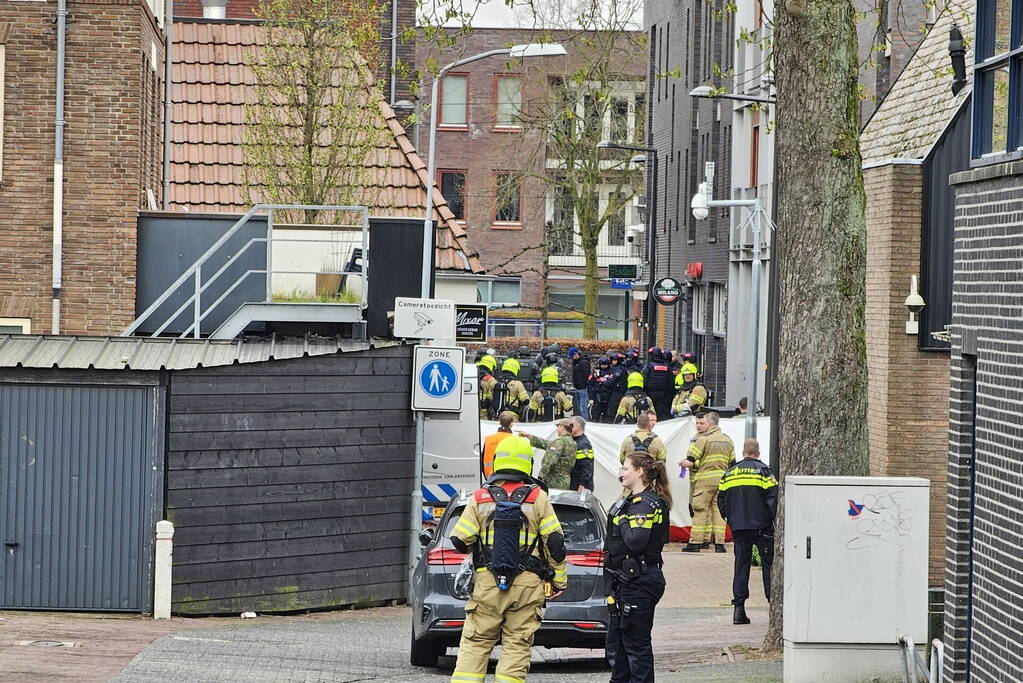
(667,291)
(438,378)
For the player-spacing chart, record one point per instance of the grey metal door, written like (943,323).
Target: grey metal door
(76,486)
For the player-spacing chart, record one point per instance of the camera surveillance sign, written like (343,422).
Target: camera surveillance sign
(424,318)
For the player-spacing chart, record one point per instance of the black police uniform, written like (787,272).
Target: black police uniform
(748,500)
(582,470)
(637,531)
(659,382)
(600,392)
(617,382)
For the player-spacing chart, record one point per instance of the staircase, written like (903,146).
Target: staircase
(194,296)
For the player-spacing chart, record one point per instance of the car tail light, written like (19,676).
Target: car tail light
(451,623)
(587,624)
(594,558)
(444,556)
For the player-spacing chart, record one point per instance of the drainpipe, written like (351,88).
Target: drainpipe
(394,45)
(168,104)
(58,170)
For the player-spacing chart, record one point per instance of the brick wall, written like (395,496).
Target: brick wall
(111,154)
(984,429)
(907,391)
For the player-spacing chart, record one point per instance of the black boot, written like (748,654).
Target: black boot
(719,547)
(739,614)
(691,548)
(705,545)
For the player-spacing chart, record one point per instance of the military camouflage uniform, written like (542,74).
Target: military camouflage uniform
(556,466)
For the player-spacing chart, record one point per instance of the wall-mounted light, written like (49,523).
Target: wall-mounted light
(957,53)
(915,303)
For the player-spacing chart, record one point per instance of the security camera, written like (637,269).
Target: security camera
(699,203)
(631,231)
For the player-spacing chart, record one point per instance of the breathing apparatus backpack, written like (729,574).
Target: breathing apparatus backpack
(506,559)
(642,446)
(642,403)
(499,398)
(547,406)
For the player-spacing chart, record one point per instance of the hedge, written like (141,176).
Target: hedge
(590,347)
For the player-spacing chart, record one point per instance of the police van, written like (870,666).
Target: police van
(451,450)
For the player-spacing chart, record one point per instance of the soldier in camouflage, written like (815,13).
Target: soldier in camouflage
(556,466)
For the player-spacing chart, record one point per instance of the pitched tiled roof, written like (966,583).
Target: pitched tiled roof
(211,82)
(920,104)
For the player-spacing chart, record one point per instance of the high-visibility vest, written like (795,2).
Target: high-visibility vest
(549,375)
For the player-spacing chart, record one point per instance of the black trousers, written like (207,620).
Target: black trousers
(745,539)
(612,404)
(598,413)
(628,635)
(662,403)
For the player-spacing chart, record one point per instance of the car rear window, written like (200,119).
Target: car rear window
(580,526)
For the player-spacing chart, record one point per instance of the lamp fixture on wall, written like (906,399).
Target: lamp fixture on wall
(915,303)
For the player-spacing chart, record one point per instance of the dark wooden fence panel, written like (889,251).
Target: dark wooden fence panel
(288,482)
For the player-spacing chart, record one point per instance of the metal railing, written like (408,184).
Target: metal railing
(199,286)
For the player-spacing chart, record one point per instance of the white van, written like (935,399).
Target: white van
(451,450)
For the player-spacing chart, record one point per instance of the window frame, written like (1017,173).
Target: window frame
(505,225)
(985,67)
(440,102)
(506,127)
(489,284)
(699,309)
(465,182)
(24,323)
(719,319)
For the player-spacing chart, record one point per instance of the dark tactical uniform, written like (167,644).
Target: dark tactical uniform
(637,531)
(748,500)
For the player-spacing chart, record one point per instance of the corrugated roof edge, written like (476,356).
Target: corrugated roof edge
(149,354)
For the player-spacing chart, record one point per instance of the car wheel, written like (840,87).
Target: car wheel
(424,652)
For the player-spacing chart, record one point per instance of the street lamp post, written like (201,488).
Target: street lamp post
(650,228)
(516,51)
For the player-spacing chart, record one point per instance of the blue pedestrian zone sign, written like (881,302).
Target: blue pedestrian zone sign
(438,379)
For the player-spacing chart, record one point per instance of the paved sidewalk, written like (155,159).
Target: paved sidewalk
(694,640)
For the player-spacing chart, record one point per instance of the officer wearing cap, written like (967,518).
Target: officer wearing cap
(511,613)
(558,461)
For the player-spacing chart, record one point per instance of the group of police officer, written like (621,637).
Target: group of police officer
(619,387)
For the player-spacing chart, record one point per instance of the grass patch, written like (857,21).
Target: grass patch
(324,296)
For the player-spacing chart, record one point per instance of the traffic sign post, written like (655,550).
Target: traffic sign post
(437,378)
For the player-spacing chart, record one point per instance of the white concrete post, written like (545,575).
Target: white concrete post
(164,553)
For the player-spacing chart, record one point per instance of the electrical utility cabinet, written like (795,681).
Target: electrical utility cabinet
(855,575)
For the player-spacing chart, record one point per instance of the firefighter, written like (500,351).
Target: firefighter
(504,525)
(635,400)
(509,394)
(691,395)
(549,401)
(637,530)
(485,368)
(556,466)
(644,439)
(748,500)
(600,389)
(659,380)
(709,456)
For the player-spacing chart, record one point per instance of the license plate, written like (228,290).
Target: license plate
(438,512)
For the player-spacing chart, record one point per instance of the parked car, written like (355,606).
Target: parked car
(576,618)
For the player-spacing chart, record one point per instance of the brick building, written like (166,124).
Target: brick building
(112,155)
(480,145)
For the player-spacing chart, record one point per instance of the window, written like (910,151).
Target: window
(561,228)
(754,158)
(15,326)
(508,291)
(509,199)
(615,225)
(720,292)
(639,133)
(699,308)
(454,100)
(998,74)
(452,186)
(591,118)
(509,100)
(619,120)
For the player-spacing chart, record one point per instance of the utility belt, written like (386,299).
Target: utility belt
(632,568)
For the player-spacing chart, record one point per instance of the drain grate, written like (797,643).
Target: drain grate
(47,643)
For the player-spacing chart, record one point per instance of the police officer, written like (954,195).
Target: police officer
(509,613)
(637,530)
(582,472)
(691,395)
(748,500)
(549,402)
(659,380)
(616,382)
(558,461)
(516,399)
(635,400)
(600,389)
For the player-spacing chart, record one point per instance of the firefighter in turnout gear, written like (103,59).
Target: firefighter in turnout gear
(635,400)
(556,466)
(748,500)
(517,545)
(644,439)
(709,456)
(691,395)
(508,393)
(637,529)
(486,366)
(549,402)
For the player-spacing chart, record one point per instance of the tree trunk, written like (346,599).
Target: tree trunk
(820,254)
(591,291)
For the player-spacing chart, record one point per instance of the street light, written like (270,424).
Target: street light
(651,212)
(708,92)
(516,51)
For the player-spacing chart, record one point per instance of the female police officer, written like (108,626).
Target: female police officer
(637,531)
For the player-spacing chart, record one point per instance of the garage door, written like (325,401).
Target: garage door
(76,487)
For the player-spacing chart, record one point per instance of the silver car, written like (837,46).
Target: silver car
(576,618)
